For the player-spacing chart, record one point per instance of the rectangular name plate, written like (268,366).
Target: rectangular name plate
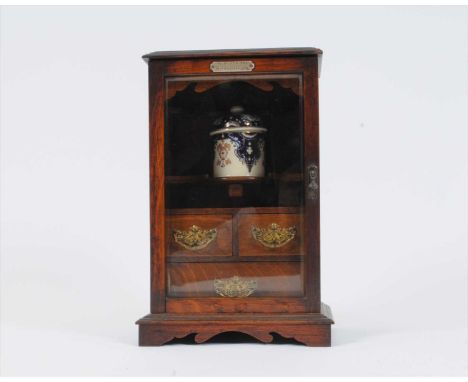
(232,66)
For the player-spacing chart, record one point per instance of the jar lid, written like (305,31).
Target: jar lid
(237,118)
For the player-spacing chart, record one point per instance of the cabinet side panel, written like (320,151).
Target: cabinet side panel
(312,190)
(157,223)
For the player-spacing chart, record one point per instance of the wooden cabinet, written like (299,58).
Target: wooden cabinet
(234,185)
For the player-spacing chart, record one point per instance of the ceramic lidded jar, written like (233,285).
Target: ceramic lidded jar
(239,145)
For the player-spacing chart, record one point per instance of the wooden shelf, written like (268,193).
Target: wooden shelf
(232,259)
(185,179)
(234,211)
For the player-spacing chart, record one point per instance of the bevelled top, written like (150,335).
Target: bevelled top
(266,52)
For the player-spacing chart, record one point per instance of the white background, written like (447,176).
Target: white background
(74,177)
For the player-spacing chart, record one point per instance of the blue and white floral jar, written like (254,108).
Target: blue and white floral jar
(239,145)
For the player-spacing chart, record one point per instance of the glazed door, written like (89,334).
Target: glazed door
(236,212)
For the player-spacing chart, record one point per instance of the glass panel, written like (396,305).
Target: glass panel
(234,186)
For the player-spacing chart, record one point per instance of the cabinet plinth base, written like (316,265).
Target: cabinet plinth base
(311,329)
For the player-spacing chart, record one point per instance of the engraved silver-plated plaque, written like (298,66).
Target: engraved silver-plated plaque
(232,66)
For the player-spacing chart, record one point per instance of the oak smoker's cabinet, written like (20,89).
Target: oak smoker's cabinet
(234,188)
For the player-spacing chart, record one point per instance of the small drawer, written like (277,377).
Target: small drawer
(270,235)
(234,280)
(199,235)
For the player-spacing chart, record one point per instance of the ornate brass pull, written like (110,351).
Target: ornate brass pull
(273,236)
(234,287)
(195,238)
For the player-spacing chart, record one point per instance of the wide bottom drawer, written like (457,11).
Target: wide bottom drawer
(234,280)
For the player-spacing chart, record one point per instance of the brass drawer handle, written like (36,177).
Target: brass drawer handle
(273,236)
(234,287)
(195,238)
